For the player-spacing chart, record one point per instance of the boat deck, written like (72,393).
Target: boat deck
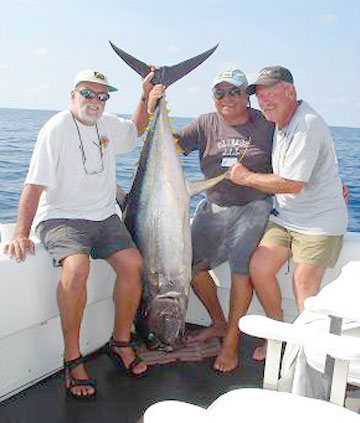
(123,399)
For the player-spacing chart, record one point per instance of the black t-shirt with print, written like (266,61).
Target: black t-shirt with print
(221,145)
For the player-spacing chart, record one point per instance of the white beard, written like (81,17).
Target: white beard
(85,117)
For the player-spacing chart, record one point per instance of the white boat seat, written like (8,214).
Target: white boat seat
(253,405)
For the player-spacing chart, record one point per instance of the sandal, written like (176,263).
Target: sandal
(120,362)
(71,381)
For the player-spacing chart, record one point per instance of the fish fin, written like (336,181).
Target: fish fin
(140,67)
(170,74)
(165,75)
(195,187)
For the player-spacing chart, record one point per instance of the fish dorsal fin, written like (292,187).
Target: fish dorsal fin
(195,187)
(165,75)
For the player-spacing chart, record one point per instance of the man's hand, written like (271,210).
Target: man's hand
(155,94)
(147,84)
(21,244)
(238,174)
(19,247)
(346,192)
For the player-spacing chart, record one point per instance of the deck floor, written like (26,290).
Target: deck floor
(122,399)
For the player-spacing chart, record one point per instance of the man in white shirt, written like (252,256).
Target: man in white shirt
(310,215)
(69,196)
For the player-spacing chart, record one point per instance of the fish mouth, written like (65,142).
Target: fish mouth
(166,319)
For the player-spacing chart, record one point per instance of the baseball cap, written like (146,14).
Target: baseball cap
(233,76)
(269,76)
(92,76)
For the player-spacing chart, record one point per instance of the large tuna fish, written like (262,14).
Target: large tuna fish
(157,215)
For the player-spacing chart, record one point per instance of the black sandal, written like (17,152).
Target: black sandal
(72,382)
(120,362)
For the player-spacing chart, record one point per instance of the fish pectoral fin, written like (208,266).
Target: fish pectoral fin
(195,187)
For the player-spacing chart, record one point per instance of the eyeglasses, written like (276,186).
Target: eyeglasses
(90,94)
(232,92)
(83,155)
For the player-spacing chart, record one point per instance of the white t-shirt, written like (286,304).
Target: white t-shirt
(304,151)
(79,176)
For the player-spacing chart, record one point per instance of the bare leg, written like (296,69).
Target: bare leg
(264,265)
(206,290)
(306,282)
(240,298)
(71,296)
(127,292)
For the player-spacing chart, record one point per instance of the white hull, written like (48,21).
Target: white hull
(30,336)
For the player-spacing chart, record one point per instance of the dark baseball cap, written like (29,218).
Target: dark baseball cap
(269,76)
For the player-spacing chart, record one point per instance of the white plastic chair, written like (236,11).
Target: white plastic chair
(328,332)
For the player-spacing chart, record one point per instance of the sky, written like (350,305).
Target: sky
(44,43)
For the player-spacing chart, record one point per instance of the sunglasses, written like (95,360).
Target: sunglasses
(232,92)
(90,94)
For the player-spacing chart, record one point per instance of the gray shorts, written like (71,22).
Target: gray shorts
(231,234)
(99,239)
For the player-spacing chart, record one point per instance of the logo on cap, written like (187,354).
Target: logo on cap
(99,75)
(265,73)
(230,74)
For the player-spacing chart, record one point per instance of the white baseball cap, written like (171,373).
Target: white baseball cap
(89,75)
(233,76)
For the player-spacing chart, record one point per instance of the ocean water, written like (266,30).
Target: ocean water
(18,132)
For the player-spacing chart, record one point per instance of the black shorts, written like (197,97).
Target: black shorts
(99,239)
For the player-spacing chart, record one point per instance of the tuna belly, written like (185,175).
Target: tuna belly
(167,249)
(167,254)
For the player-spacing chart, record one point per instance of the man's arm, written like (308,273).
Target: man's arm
(267,182)
(28,203)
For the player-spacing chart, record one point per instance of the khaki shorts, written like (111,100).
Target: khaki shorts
(322,250)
